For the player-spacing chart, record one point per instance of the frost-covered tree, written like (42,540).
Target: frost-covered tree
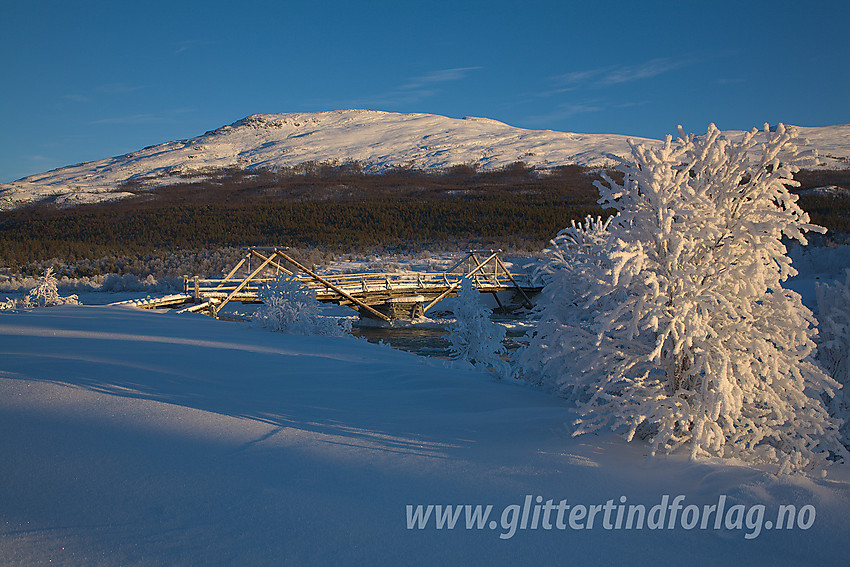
(669,321)
(290,307)
(834,345)
(45,293)
(565,271)
(473,336)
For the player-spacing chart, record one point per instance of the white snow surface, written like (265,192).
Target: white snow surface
(376,139)
(133,437)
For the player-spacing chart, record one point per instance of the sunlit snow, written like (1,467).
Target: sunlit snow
(378,140)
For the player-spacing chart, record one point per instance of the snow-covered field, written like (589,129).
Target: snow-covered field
(133,437)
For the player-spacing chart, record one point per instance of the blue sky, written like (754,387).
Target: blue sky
(88,80)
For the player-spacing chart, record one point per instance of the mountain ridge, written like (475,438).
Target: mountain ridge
(378,140)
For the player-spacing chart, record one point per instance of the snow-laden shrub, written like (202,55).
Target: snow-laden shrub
(473,337)
(834,345)
(670,322)
(131,282)
(563,270)
(108,283)
(19,283)
(290,307)
(127,282)
(46,293)
(43,294)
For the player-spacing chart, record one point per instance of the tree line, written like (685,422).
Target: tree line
(338,207)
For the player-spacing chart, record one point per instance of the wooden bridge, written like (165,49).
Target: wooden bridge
(386,296)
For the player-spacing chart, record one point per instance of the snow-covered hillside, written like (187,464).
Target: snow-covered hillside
(376,139)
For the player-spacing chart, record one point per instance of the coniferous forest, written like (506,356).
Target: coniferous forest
(336,208)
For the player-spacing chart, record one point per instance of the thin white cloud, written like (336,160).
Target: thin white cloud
(101,91)
(117,88)
(562,112)
(414,90)
(437,77)
(187,44)
(77,98)
(142,118)
(129,119)
(575,79)
(646,70)
(630,104)
(617,74)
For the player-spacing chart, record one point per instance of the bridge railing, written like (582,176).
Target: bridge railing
(354,288)
(357,283)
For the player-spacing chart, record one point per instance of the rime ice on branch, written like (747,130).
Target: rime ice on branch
(473,336)
(834,345)
(292,308)
(669,320)
(44,294)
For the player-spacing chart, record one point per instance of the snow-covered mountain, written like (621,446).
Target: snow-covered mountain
(377,140)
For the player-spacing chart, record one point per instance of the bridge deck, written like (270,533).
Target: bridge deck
(382,295)
(362,285)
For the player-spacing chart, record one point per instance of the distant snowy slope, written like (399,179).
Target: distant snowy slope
(377,140)
(831,142)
